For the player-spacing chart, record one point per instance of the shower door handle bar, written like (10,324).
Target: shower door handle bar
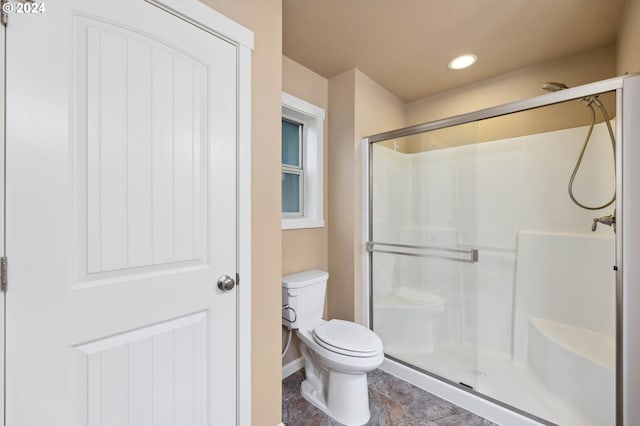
(466,255)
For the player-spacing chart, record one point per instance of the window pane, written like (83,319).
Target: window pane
(291,143)
(290,193)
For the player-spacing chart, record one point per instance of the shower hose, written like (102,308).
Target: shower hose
(590,101)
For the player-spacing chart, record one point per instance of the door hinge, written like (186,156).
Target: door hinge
(4,16)
(3,273)
(237,278)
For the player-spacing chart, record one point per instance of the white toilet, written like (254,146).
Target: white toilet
(338,354)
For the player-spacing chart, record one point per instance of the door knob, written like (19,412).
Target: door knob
(226,283)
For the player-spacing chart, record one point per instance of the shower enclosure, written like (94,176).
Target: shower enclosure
(486,280)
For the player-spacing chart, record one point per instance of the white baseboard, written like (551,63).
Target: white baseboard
(291,367)
(281,424)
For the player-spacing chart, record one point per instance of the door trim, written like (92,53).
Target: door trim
(209,20)
(244,237)
(3,243)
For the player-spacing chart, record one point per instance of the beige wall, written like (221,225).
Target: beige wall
(341,191)
(264,18)
(358,107)
(304,249)
(377,111)
(585,67)
(628,44)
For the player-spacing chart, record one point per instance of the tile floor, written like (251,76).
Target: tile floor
(393,402)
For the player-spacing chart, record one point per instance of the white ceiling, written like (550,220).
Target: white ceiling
(405,45)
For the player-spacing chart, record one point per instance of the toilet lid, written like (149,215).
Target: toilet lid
(346,336)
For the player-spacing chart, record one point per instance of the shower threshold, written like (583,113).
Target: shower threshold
(499,379)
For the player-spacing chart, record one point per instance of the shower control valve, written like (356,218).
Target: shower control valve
(609,220)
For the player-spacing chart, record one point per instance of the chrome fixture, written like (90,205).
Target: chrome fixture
(466,255)
(226,283)
(589,102)
(609,220)
(287,308)
(552,86)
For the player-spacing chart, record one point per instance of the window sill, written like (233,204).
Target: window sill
(302,223)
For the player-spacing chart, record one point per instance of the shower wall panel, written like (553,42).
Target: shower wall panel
(484,195)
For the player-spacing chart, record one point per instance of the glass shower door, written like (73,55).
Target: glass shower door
(423,273)
(484,270)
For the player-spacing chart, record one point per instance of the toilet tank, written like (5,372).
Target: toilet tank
(304,293)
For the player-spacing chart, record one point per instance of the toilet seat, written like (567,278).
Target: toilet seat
(347,338)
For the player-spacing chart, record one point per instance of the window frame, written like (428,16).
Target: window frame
(299,171)
(311,118)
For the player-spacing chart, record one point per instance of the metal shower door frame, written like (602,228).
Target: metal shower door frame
(627,242)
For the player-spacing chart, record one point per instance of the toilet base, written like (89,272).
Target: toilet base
(343,397)
(346,409)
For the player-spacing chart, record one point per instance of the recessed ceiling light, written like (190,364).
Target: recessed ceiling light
(463,61)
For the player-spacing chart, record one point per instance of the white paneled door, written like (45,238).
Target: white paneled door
(121,217)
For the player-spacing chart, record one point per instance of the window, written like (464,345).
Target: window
(292,168)
(302,149)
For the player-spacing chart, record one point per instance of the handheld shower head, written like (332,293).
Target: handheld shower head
(589,102)
(552,86)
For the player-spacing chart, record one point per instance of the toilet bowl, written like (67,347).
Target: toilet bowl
(338,354)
